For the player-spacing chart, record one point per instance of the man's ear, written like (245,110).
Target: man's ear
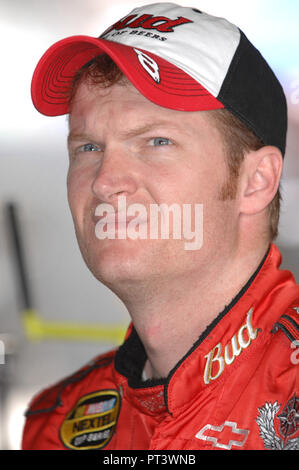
(260,176)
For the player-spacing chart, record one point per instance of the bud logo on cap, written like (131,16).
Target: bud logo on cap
(160,23)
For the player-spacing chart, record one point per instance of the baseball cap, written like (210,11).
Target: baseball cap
(178,57)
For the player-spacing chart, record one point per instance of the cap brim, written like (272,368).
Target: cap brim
(53,76)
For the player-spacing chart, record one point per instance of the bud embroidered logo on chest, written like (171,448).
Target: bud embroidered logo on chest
(220,357)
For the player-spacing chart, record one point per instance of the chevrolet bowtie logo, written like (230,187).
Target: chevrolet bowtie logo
(221,436)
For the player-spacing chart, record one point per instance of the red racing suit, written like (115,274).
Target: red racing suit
(236,388)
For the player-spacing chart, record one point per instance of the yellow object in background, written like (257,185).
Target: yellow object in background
(38,329)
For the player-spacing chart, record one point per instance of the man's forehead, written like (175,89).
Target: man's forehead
(88,90)
(127,106)
(91,99)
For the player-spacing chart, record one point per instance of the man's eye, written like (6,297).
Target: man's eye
(159,141)
(89,148)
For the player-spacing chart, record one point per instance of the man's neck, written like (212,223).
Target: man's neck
(170,320)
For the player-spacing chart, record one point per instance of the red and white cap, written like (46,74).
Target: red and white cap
(179,58)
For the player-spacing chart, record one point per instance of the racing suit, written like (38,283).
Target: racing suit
(236,388)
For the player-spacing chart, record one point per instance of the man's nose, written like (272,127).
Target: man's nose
(115,176)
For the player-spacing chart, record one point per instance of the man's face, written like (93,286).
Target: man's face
(121,144)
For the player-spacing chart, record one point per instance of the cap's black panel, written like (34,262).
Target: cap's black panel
(252,92)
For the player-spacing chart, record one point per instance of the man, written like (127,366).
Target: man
(171,106)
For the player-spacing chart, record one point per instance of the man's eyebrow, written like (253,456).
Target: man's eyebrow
(138,130)
(78,136)
(142,129)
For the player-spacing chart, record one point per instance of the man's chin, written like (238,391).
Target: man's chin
(115,261)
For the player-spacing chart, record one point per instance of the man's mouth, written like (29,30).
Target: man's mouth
(117,219)
(117,224)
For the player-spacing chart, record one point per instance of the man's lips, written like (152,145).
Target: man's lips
(118,221)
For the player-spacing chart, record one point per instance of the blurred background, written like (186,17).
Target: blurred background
(33,168)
